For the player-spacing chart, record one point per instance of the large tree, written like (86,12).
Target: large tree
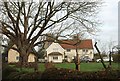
(26,22)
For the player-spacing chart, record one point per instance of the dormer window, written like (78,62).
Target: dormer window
(68,50)
(85,50)
(91,52)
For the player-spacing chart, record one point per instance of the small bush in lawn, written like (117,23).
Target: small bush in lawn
(49,65)
(7,70)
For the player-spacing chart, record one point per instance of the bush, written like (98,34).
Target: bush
(57,73)
(34,75)
(24,75)
(15,75)
(7,70)
(29,64)
(49,65)
(116,58)
(10,73)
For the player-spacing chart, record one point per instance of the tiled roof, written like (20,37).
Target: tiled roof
(82,44)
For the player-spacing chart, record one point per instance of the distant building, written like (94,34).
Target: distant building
(56,52)
(14,56)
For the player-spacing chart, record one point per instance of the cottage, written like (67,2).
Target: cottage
(56,52)
(84,48)
(13,56)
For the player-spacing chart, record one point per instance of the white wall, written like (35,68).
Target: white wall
(55,47)
(72,53)
(12,54)
(59,60)
(89,53)
(31,58)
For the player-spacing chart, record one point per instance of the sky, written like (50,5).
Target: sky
(108,33)
(108,16)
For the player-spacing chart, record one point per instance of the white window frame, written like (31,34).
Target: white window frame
(55,57)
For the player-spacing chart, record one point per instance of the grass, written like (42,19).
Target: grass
(86,66)
(41,67)
(83,66)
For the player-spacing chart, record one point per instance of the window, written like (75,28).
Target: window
(68,50)
(90,52)
(17,57)
(55,58)
(65,56)
(85,50)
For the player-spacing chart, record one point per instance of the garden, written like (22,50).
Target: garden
(62,71)
(84,67)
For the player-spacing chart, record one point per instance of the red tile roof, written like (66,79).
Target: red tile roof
(83,44)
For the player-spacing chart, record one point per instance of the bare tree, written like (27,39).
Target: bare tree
(110,48)
(25,22)
(102,61)
(77,62)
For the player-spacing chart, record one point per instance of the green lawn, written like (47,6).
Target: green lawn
(86,66)
(83,66)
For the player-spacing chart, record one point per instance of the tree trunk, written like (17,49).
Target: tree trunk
(24,58)
(25,61)
(77,60)
(36,64)
(109,66)
(77,55)
(21,62)
(100,56)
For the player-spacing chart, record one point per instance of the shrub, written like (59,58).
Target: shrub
(34,75)
(64,60)
(29,64)
(49,65)
(57,73)
(24,75)
(14,75)
(116,57)
(7,70)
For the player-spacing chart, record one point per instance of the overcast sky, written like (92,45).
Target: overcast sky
(108,15)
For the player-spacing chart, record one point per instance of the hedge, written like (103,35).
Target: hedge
(59,74)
